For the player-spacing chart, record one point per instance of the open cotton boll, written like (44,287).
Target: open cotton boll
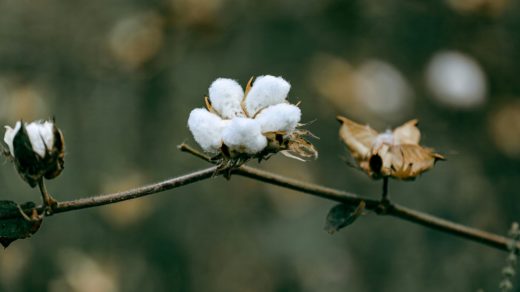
(266,90)
(9,136)
(279,117)
(244,135)
(225,96)
(41,135)
(206,129)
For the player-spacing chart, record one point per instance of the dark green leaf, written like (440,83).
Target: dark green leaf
(343,215)
(17,227)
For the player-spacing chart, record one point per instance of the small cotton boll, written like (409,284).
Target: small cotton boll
(244,135)
(9,136)
(280,117)
(225,96)
(383,138)
(266,90)
(206,129)
(41,135)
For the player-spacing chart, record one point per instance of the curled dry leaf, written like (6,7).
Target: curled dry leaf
(394,153)
(343,215)
(19,227)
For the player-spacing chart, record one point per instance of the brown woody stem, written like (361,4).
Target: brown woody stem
(385,190)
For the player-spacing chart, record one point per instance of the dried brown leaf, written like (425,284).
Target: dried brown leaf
(343,215)
(19,227)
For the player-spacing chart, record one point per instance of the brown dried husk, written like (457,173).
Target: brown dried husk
(405,159)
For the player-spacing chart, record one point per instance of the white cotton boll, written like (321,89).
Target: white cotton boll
(206,129)
(384,138)
(244,135)
(279,117)
(266,90)
(9,136)
(226,96)
(41,135)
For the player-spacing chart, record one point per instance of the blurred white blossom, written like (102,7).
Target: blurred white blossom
(82,273)
(504,125)
(456,80)
(375,90)
(382,89)
(136,39)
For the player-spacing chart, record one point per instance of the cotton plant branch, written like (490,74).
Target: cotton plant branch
(106,199)
(381,207)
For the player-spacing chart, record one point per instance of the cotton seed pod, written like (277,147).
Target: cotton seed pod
(37,150)
(395,154)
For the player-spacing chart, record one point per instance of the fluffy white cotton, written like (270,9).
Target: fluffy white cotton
(280,117)
(9,136)
(383,138)
(244,135)
(266,90)
(206,129)
(225,96)
(41,135)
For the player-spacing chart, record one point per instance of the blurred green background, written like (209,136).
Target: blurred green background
(122,76)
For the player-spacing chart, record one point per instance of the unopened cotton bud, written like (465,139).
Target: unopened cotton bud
(244,135)
(281,117)
(37,149)
(266,90)
(206,128)
(225,96)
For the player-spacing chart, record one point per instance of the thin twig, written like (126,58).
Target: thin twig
(188,149)
(394,210)
(100,200)
(384,197)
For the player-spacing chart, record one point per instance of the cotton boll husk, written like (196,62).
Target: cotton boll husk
(41,135)
(244,135)
(280,117)
(206,129)
(266,90)
(225,96)
(9,136)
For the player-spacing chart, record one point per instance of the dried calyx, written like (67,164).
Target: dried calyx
(37,150)
(394,153)
(238,125)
